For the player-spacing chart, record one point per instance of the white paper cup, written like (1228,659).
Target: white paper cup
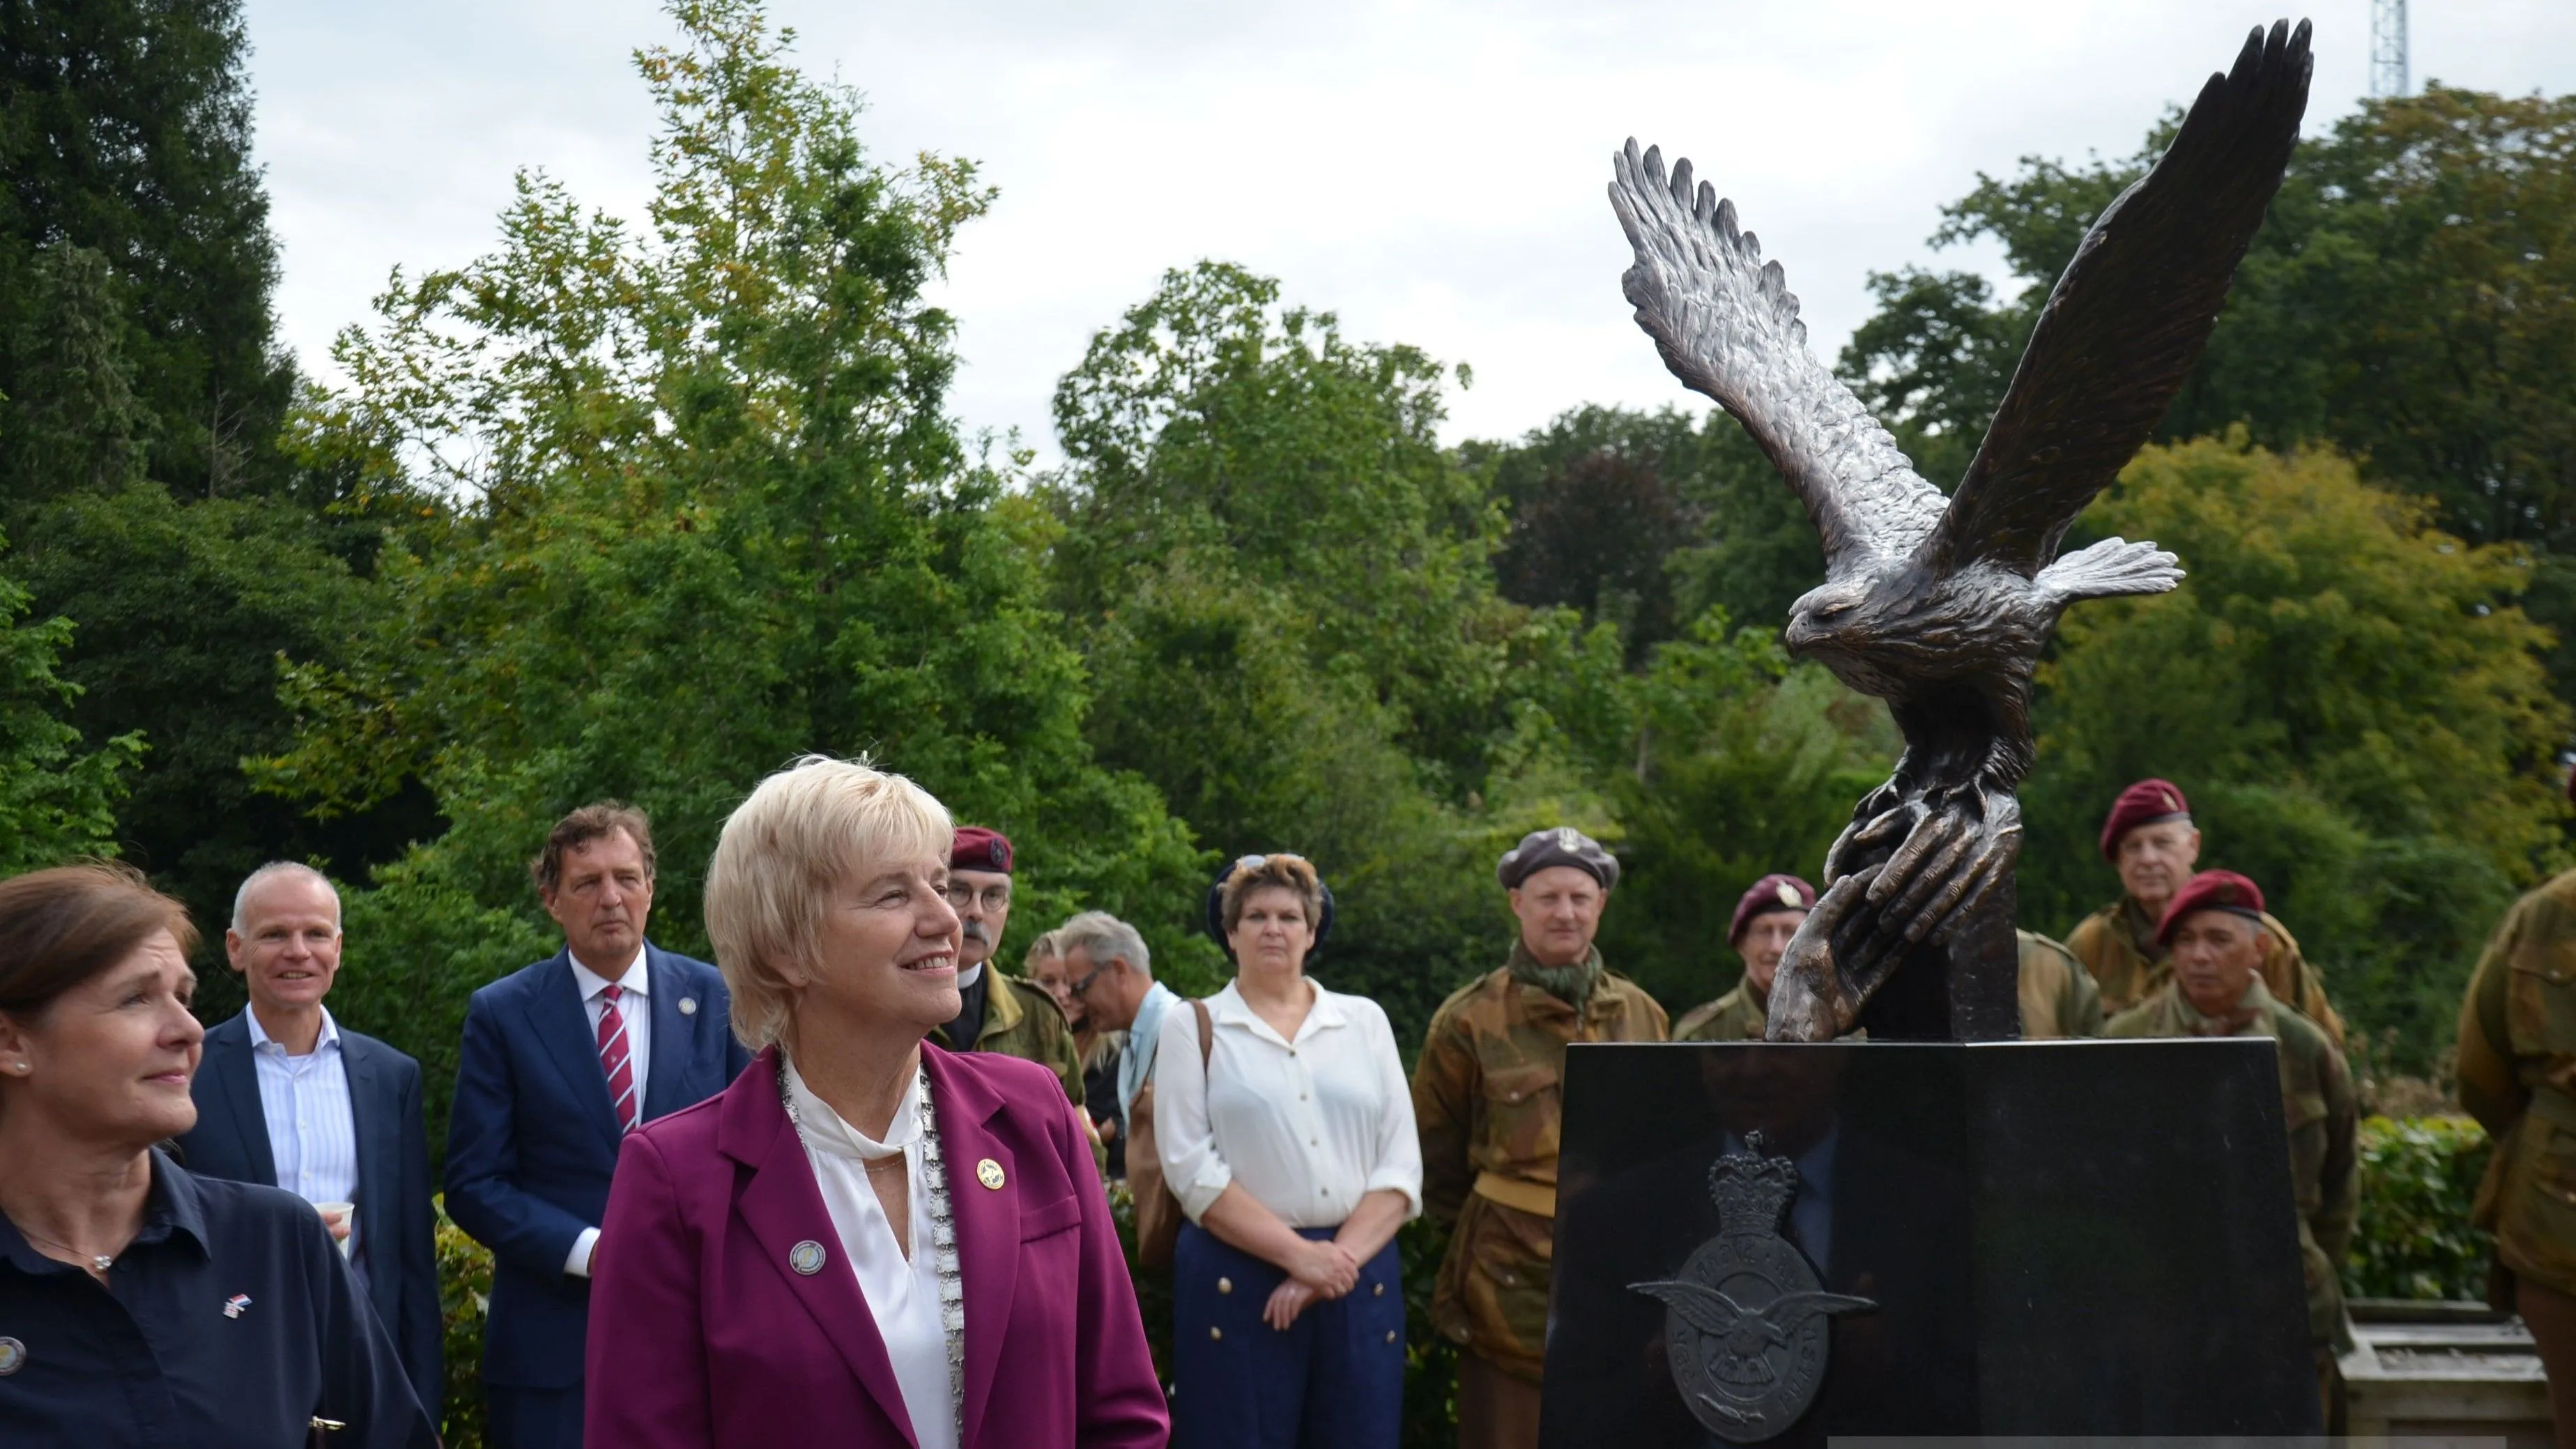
(338,1214)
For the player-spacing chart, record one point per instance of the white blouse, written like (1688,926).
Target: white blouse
(902,1294)
(1307,1126)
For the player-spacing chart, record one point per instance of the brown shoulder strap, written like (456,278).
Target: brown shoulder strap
(1207,1032)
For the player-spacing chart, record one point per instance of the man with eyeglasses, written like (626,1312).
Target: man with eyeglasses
(997,1013)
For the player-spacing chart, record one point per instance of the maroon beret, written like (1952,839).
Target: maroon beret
(977,848)
(1564,845)
(1771,893)
(2211,890)
(2143,803)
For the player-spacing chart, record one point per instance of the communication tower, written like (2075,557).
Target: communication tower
(2388,48)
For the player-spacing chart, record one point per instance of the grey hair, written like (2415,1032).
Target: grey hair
(1100,936)
(276,870)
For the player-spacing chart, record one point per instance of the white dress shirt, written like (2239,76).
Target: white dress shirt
(902,1292)
(312,1133)
(635,1008)
(1308,1126)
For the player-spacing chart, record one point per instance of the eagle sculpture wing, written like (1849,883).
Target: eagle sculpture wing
(2127,322)
(1728,327)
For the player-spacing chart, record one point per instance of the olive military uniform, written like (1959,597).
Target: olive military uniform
(2057,1000)
(2058,997)
(1022,1021)
(2118,945)
(1486,1099)
(2322,1114)
(1739,1015)
(2517,1075)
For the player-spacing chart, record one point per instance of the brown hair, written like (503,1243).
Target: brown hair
(60,927)
(591,822)
(1291,873)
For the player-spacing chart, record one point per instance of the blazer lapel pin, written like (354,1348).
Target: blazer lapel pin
(806,1258)
(989,1173)
(688,1006)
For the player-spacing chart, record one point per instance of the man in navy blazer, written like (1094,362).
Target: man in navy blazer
(560,1061)
(287,1098)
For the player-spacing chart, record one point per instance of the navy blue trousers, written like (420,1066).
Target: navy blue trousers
(1335,1378)
(534,1418)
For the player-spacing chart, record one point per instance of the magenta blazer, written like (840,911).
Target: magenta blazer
(701,1335)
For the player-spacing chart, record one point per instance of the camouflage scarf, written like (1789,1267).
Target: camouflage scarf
(1569,984)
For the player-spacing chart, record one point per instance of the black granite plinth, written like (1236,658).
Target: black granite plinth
(2086,1237)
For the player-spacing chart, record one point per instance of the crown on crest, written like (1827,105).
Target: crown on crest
(1752,1189)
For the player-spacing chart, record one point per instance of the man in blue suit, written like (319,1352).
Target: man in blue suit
(287,1098)
(561,1060)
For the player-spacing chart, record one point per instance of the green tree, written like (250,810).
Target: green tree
(1646,519)
(56,803)
(1737,763)
(2409,302)
(2350,699)
(125,135)
(185,611)
(684,506)
(1283,591)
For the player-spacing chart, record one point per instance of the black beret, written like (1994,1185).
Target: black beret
(1564,845)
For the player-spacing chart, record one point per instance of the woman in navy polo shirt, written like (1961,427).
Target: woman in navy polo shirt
(140,1304)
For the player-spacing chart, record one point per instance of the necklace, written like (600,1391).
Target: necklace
(99,1261)
(943,1228)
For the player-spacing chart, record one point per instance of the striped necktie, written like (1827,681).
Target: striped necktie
(628,1103)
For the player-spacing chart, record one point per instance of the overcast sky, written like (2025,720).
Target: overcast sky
(1431,170)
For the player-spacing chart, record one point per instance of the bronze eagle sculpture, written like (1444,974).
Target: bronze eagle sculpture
(1940,606)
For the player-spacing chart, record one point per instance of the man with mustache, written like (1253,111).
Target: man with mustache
(560,1061)
(998,1014)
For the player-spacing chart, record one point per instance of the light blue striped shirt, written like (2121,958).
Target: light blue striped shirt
(312,1134)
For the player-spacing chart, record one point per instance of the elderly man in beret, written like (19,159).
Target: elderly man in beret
(996,1013)
(2150,840)
(2214,928)
(1487,1102)
(1766,916)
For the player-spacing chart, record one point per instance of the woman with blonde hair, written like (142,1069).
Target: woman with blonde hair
(863,1237)
(1293,1154)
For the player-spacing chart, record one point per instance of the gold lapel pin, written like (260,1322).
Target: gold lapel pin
(989,1173)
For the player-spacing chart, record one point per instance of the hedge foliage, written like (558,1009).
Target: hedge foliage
(2418,1177)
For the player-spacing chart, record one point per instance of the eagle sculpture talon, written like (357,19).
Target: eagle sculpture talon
(1941,605)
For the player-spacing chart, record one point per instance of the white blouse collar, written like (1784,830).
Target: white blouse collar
(826,1132)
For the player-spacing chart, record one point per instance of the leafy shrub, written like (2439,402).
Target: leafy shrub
(2413,1240)
(464,1296)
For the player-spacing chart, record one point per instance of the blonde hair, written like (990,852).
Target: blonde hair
(1291,873)
(804,833)
(1041,949)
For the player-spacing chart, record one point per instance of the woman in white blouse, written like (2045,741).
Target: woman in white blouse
(1294,1157)
(865,1240)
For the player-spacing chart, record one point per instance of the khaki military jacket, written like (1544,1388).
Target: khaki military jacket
(2517,1074)
(2323,1116)
(2118,945)
(1022,1021)
(1739,1015)
(2058,997)
(1488,1102)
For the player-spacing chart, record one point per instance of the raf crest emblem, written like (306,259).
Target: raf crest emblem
(1744,1324)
